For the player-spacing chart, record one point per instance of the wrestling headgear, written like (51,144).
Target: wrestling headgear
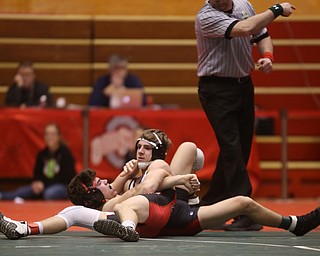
(93,198)
(159,150)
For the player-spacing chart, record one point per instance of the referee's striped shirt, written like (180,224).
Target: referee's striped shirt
(218,54)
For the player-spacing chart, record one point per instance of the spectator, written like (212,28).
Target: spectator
(54,169)
(26,90)
(117,79)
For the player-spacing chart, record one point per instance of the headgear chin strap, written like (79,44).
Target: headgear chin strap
(93,198)
(158,149)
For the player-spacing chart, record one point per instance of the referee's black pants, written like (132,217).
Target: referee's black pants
(229,106)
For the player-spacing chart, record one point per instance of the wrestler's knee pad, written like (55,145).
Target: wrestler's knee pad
(70,214)
(79,216)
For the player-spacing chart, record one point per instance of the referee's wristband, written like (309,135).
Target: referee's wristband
(268,55)
(277,10)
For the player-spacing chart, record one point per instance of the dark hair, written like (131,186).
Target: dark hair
(75,190)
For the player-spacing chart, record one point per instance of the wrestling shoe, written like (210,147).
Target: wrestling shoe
(13,229)
(113,228)
(243,223)
(305,223)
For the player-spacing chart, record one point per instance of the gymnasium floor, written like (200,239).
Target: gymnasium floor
(79,241)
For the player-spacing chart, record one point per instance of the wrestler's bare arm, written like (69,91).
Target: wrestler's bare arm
(190,181)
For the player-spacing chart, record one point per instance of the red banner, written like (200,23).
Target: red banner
(21,136)
(110,135)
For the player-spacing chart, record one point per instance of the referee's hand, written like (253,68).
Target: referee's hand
(265,65)
(287,9)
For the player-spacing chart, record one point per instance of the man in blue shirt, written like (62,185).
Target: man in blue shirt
(117,79)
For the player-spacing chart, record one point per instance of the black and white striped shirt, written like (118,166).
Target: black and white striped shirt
(218,54)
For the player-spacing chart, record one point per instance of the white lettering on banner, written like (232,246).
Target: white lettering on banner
(113,145)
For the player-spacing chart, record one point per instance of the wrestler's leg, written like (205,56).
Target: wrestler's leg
(130,212)
(134,209)
(70,216)
(75,216)
(212,215)
(187,159)
(184,158)
(217,214)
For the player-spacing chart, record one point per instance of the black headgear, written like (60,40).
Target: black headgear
(158,148)
(93,198)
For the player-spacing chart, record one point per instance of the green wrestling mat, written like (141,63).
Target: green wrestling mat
(206,243)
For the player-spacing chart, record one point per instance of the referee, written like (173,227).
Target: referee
(226,31)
